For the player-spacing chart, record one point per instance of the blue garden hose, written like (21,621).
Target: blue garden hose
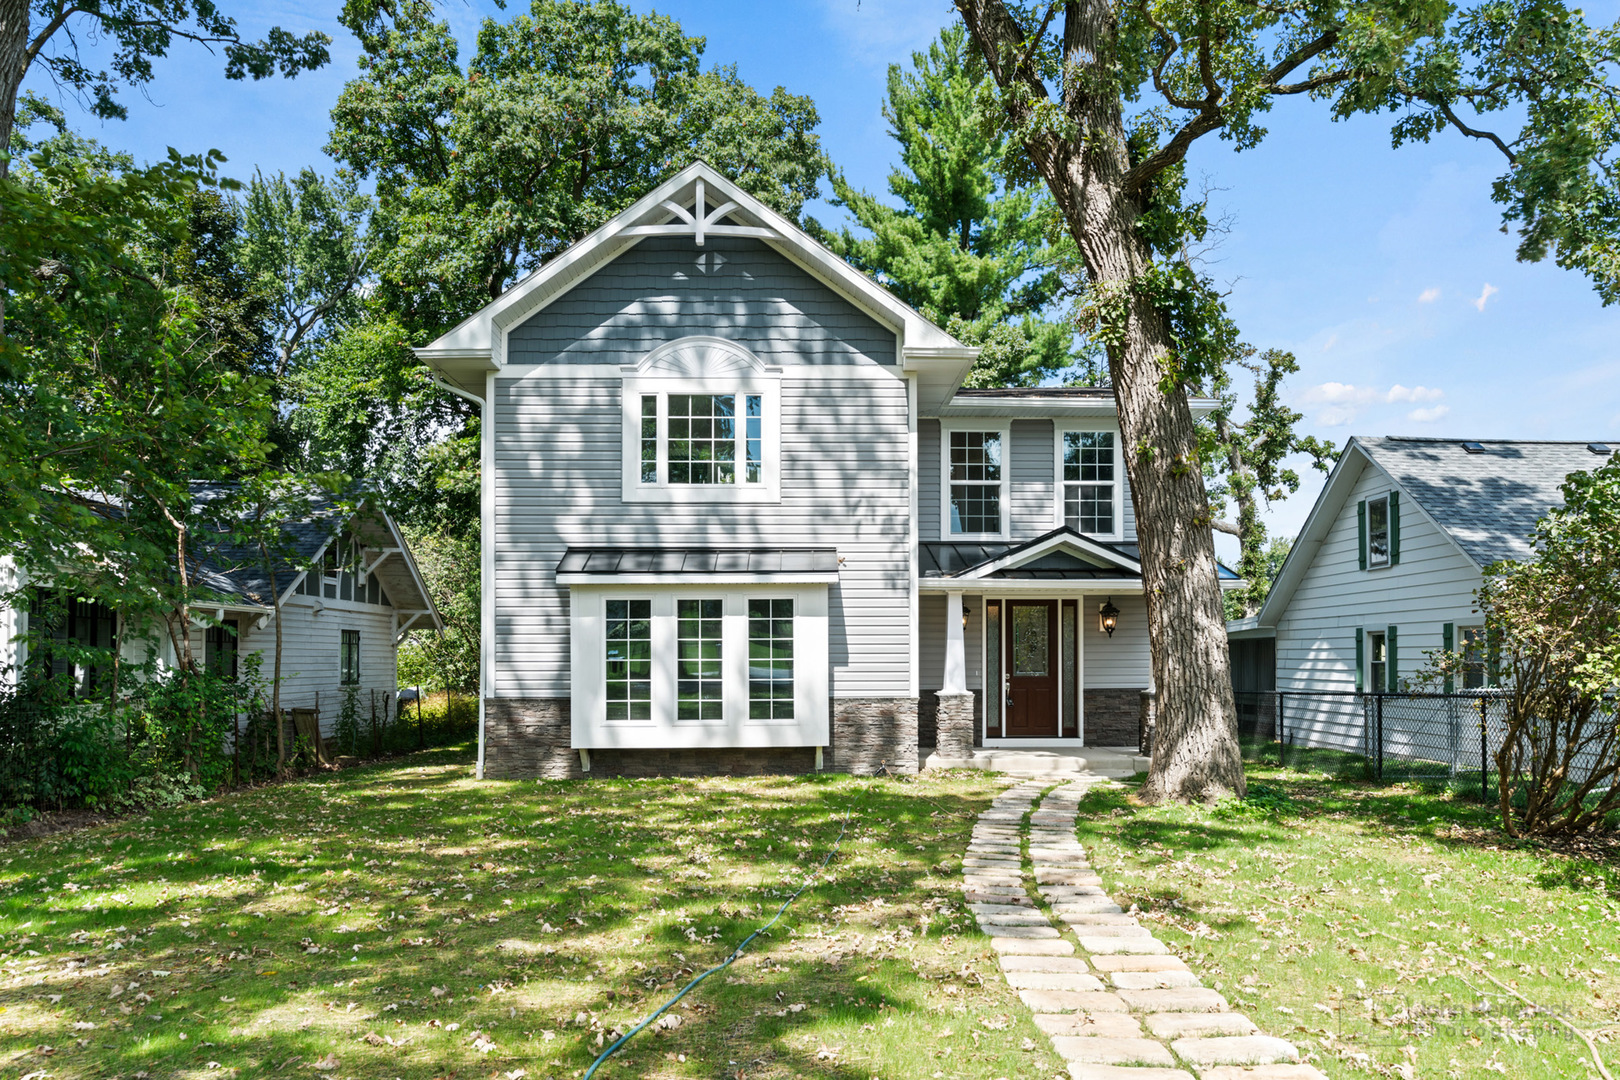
(738,951)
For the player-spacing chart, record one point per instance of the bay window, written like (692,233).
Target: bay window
(675,665)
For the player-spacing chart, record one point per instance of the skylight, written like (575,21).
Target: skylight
(1599,448)
(1474,447)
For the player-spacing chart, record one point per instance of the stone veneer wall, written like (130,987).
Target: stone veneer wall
(1113,717)
(527,739)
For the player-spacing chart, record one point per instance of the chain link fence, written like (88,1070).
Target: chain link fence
(1402,736)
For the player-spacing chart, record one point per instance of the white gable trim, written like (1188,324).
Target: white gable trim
(1329,505)
(662,211)
(1074,544)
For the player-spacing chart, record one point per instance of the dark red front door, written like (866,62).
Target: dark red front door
(1032,669)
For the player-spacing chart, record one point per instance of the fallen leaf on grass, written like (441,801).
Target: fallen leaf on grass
(326,1064)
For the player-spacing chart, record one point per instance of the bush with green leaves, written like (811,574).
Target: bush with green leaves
(1551,622)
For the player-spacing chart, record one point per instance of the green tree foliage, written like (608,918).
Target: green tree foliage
(137,32)
(1108,98)
(1552,620)
(1246,447)
(125,373)
(450,563)
(304,243)
(561,118)
(971,249)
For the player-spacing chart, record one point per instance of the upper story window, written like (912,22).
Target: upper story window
(1088,490)
(975,482)
(701,423)
(1378,531)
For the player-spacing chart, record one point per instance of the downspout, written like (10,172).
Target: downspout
(486,485)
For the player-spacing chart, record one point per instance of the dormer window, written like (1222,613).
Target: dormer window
(701,423)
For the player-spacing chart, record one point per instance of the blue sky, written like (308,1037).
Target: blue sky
(1384,271)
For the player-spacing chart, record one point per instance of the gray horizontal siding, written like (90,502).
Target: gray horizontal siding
(732,287)
(1433,584)
(928,450)
(1032,476)
(558,469)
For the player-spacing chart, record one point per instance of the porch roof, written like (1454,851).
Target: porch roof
(1049,557)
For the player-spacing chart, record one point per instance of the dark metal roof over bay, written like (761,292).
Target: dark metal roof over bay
(640,560)
(1487,500)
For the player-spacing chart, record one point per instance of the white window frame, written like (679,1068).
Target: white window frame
(1376,686)
(1000,428)
(591,730)
(767,385)
(1371,564)
(1461,646)
(1058,483)
(359,656)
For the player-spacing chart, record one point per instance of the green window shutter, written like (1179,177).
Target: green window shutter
(1361,532)
(1448,644)
(1394,528)
(1361,661)
(1389,649)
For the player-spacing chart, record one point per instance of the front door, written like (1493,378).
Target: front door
(1032,670)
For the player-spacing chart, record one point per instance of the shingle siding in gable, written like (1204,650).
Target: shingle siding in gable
(736,288)
(844,474)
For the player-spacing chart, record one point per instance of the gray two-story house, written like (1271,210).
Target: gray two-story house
(738,515)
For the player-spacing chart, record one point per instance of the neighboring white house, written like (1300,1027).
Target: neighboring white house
(738,511)
(349,588)
(1385,569)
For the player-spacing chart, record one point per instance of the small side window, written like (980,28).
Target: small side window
(1378,531)
(349,658)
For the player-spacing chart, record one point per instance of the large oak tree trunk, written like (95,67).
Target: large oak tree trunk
(1195,747)
(13,63)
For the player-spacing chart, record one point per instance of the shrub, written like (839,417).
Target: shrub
(1552,619)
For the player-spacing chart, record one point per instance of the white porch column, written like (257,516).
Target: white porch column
(955,650)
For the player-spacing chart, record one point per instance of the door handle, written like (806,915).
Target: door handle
(1006,689)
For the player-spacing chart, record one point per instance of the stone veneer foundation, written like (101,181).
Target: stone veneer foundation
(527,739)
(1113,716)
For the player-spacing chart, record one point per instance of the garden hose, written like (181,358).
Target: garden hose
(738,951)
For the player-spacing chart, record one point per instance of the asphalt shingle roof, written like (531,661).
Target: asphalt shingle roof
(1488,502)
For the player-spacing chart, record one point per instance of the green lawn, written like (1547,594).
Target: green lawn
(401,920)
(1366,923)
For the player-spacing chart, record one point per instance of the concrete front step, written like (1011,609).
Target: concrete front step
(1058,764)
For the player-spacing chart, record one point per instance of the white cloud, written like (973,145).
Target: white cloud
(1485,294)
(1344,402)
(1414,395)
(1428,296)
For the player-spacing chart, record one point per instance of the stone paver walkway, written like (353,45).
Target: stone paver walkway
(1118,1007)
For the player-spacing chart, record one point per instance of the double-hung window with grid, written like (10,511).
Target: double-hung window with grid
(1090,473)
(976,479)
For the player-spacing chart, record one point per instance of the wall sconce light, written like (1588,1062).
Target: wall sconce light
(966,611)
(1108,618)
